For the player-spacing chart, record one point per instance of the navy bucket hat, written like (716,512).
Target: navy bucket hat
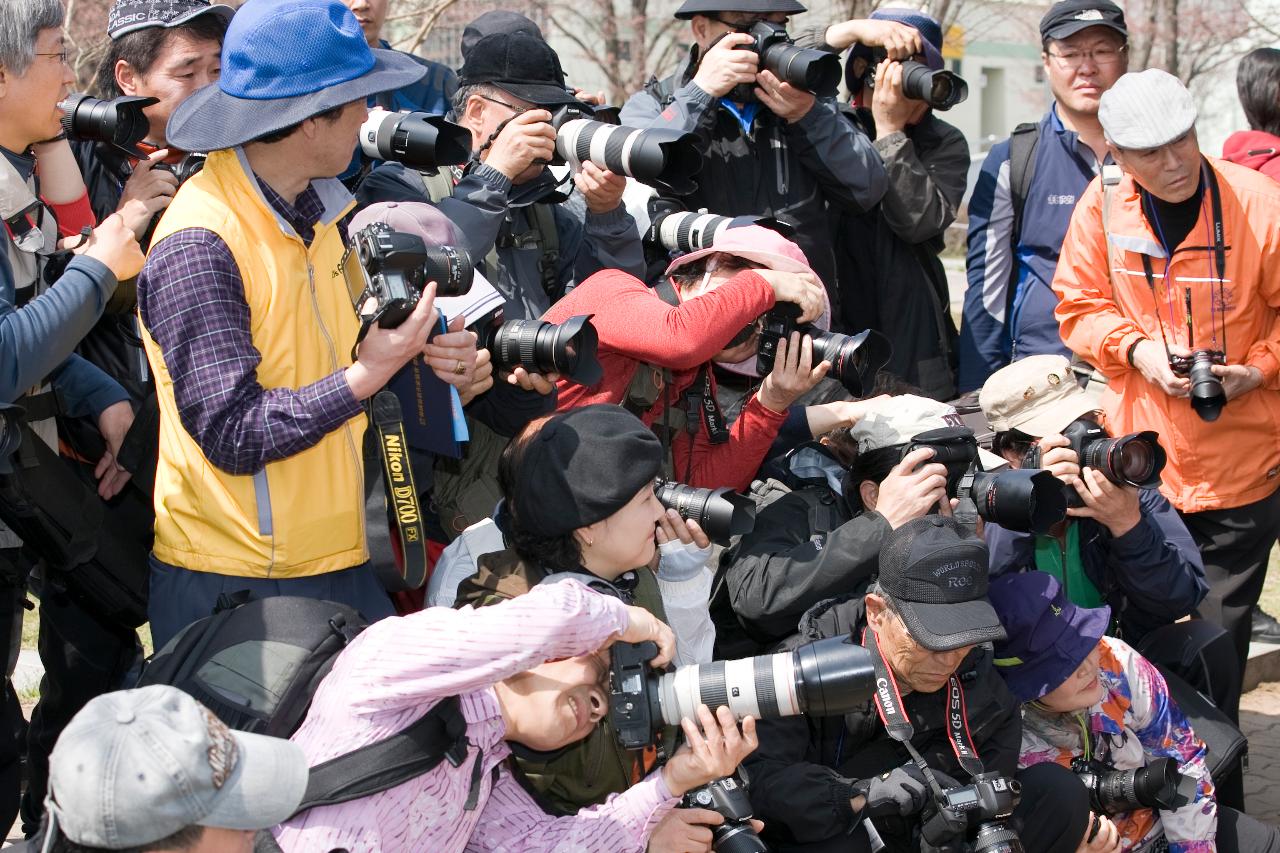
(1048,636)
(282,63)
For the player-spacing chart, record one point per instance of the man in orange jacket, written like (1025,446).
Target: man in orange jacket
(1169,283)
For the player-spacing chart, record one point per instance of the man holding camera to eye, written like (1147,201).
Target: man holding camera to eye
(528,243)
(1169,284)
(845,783)
(891,278)
(249,326)
(771,149)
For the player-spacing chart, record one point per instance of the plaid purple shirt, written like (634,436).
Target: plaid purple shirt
(191,299)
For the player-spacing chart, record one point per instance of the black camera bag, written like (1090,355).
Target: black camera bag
(61,520)
(256,664)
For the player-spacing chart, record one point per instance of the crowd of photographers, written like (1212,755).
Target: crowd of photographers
(500,470)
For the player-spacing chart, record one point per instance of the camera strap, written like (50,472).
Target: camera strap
(404,510)
(701,400)
(893,713)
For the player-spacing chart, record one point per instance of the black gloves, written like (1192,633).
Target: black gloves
(902,791)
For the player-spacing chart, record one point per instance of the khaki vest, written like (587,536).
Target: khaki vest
(299,516)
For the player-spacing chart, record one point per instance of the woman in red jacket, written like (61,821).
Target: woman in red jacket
(721,294)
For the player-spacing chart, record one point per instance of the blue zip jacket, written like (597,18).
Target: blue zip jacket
(988,340)
(37,340)
(1151,576)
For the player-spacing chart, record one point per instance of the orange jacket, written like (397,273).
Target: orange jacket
(1236,459)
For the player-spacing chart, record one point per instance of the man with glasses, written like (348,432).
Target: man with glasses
(1027,189)
(1181,254)
(852,783)
(771,149)
(43,316)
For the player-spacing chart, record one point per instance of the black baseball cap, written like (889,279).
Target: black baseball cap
(750,7)
(935,572)
(127,16)
(519,63)
(1069,17)
(496,21)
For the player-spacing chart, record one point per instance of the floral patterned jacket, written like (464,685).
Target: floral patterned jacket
(1134,724)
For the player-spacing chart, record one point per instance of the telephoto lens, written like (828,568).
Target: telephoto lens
(815,71)
(418,140)
(684,232)
(666,159)
(119,122)
(1208,397)
(1158,785)
(721,513)
(942,90)
(1135,459)
(568,349)
(1026,499)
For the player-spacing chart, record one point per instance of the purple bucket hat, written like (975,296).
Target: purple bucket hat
(1048,636)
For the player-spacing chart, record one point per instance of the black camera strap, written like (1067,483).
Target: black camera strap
(701,396)
(404,510)
(1219,248)
(893,713)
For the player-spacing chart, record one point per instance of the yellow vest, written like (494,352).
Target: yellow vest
(299,516)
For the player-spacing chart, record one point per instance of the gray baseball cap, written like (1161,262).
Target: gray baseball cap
(1146,109)
(136,766)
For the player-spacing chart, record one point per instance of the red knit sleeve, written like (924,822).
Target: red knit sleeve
(631,320)
(73,216)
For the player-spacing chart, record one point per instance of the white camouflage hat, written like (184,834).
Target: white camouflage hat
(1146,109)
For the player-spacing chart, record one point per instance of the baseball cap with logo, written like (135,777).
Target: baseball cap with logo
(1069,17)
(935,572)
(1037,395)
(127,16)
(136,766)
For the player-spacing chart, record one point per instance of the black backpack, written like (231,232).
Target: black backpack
(256,664)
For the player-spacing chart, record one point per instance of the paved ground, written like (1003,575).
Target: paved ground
(1260,720)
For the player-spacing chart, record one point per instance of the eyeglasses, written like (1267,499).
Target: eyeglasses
(62,56)
(740,26)
(1102,57)
(512,107)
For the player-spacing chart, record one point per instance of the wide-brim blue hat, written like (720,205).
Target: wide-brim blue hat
(282,63)
(1048,636)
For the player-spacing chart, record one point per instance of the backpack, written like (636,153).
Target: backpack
(1023,143)
(257,664)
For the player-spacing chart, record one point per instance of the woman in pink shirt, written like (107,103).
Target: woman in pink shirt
(531,670)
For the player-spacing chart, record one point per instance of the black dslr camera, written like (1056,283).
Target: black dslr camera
(1134,460)
(1159,785)
(1207,394)
(985,806)
(728,797)
(119,122)
(941,89)
(855,359)
(815,71)
(393,267)
(1024,499)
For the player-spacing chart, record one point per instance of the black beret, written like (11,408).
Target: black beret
(582,466)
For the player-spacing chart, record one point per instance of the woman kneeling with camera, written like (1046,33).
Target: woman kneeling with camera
(529,672)
(1092,703)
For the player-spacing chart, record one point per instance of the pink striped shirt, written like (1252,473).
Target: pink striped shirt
(399,668)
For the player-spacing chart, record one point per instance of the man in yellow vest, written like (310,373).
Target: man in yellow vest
(249,327)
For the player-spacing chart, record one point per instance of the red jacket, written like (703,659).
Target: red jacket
(635,326)
(1255,149)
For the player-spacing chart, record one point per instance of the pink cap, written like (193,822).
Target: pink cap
(410,217)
